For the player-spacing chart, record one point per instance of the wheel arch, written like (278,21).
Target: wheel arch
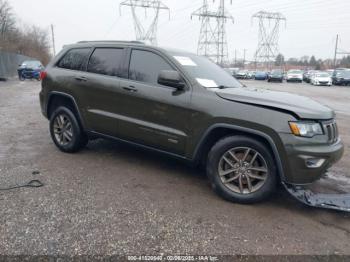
(56,99)
(218,131)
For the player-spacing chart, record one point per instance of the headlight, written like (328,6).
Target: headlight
(306,129)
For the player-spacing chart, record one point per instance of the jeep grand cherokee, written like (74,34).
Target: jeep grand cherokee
(186,106)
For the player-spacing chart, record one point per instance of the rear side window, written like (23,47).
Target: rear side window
(74,59)
(145,66)
(107,61)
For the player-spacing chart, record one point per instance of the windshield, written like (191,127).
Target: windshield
(322,75)
(345,73)
(294,72)
(276,72)
(31,64)
(207,73)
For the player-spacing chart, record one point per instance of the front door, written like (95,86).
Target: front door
(152,114)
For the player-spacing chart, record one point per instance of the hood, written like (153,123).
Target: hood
(301,106)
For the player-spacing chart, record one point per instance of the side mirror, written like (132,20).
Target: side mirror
(171,78)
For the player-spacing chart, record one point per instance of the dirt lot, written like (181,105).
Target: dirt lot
(116,199)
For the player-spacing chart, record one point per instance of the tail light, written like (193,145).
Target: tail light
(43,75)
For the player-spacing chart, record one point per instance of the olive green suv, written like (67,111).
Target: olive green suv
(182,104)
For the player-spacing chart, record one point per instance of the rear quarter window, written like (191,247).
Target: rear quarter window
(74,59)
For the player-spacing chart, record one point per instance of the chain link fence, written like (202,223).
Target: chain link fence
(9,63)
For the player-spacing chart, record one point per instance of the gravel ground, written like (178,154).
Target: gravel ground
(116,199)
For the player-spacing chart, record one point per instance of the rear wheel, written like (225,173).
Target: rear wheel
(66,132)
(241,169)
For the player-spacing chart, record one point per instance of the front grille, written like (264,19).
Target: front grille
(331,130)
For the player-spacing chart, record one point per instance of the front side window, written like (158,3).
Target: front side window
(106,61)
(145,66)
(74,59)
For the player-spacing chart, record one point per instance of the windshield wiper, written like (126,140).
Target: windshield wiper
(224,87)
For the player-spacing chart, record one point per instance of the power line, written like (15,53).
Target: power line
(146,34)
(268,36)
(212,41)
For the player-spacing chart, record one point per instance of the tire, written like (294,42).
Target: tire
(262,184)
(73,138)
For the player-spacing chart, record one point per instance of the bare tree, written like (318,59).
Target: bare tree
(7,19)
(26,40)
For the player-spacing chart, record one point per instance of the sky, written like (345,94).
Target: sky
(311,27)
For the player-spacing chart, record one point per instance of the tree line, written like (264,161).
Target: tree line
(29,40)
(312,62)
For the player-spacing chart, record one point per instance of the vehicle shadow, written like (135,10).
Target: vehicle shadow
(170,167)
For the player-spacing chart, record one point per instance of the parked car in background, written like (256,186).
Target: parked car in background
(307,75)
(251,74)
(294,76)
(341,77)
(321,79)
(275,76)
(30,70)
(260,75)
(234,70)
(242,74)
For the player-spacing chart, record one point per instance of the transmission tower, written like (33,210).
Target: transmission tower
(145,34)
(212,41)
(269,24)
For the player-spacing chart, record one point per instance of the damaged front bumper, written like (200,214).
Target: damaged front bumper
(340,202)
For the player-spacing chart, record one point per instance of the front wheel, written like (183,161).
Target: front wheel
(21,77)
(65,131)
(241,169)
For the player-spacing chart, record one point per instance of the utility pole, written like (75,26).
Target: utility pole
(212,41)
(244,51)
(235,57)
(53,40)
(145,34)
(335,52)
(269,23)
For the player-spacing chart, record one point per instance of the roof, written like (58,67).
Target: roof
(111,42)
(121,42)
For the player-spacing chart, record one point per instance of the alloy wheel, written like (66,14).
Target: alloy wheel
(243,170)
(63,130)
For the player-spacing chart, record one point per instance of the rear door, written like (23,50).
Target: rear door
(68,72)
(152,114)
(101,88)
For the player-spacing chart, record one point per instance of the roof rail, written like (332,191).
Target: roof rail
(110,41)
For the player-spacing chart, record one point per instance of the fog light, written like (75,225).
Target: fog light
(314,162)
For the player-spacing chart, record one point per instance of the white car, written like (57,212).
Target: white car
(321,79)
(295,76)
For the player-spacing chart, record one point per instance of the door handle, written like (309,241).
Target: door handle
(130,88)
(81,78)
